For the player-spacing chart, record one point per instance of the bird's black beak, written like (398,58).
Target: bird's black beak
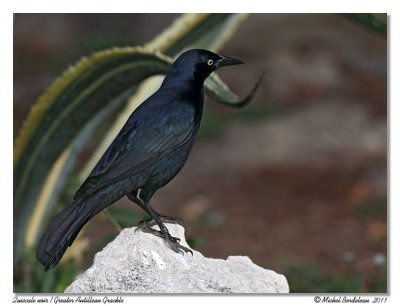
(228,61)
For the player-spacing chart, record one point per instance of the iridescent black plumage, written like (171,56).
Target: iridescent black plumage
(148,152)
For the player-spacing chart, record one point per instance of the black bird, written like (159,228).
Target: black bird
(148,152)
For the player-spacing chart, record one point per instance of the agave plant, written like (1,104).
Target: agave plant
(83,97)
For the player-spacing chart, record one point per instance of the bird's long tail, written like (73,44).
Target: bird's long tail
(61,232)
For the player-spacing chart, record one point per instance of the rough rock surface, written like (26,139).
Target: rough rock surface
(137,262)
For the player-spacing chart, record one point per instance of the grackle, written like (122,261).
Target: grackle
(148,152)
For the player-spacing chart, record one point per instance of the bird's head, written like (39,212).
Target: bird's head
(198,64)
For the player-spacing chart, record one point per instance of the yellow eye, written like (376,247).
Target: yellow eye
(210,62)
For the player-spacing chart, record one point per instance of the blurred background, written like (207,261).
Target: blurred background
(296,180)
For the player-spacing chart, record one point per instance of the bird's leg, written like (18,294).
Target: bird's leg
(134,198)
(173,242)
(147,222)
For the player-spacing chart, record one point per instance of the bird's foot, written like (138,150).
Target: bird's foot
(173,242)
(163,218)
(144,223)
(167,219)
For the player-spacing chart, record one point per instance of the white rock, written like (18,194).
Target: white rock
(137,262)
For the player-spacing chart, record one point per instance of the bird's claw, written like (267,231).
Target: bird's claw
(175,246)
(173,242)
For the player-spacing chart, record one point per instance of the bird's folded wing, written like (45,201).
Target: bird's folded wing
(134,149)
